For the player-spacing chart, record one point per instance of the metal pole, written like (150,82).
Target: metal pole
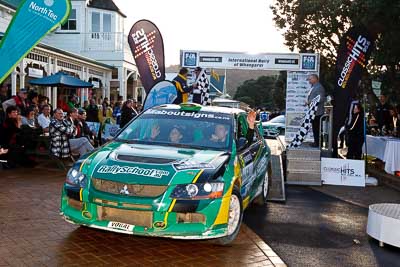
(224,89)
(365,134)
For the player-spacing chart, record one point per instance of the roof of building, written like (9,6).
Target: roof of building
(106,5)
(70,54)
(100,4)
(11,3)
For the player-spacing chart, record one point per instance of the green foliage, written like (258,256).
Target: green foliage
(279,92)
(259,93)
(318,25)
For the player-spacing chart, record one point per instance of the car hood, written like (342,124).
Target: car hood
(150,164)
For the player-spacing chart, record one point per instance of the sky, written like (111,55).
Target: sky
(208,25)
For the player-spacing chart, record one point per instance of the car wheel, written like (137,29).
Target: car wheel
(234,219)
(261,199)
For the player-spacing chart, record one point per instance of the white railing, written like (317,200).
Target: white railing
(104,41)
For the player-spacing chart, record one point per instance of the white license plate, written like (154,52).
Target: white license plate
(121,226)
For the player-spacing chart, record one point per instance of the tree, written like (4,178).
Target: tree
(260,91)
(279,92)
(318,25)
(247,99)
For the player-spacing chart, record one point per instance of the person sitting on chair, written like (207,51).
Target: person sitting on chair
(79,145)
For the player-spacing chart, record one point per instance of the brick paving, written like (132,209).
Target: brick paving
(32,233)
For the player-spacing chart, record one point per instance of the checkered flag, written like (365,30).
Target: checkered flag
(306,124)
(203,85)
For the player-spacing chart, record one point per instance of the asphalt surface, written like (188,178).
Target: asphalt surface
(314,229)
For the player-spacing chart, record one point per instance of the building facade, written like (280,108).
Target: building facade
(90,45)
(95,29)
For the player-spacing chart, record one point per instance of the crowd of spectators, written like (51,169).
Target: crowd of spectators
(27,120)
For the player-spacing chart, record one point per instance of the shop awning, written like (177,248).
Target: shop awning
(61,79)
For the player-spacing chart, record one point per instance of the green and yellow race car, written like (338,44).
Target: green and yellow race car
(180,171)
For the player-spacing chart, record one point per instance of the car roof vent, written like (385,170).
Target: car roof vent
(138,159)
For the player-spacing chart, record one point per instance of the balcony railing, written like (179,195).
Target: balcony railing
(104,42)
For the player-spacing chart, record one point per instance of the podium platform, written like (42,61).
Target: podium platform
(303,165)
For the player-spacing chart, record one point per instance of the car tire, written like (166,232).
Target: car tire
(261,199)
(236,220)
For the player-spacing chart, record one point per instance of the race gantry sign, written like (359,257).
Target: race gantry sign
(244,61)
(298,66)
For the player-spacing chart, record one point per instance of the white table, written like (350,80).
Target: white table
(384,223)
(386,149)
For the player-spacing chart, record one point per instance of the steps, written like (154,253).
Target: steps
(303,166)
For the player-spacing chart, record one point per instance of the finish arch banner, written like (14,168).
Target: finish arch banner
(147,47)
(33,20)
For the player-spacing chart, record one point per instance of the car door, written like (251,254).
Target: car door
(249,157)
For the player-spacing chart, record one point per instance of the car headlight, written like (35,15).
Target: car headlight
(198,191)
(76,178)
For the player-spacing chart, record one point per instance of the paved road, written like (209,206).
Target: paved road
(313,229)
(32,233)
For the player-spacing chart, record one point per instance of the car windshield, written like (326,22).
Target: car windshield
(279,119)
(201,130)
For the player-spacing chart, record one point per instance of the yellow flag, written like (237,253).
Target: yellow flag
(215,75)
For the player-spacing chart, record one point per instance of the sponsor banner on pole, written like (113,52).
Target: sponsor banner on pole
(147,47)
(234,60)
(343,172)
(31,22)
(353,54)
(297,89)
(163,92)
(110,130)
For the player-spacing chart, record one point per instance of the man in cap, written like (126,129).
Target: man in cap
(18,100)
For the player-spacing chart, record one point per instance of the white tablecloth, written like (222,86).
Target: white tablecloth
(386,149)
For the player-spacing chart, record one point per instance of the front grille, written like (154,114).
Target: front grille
(126,205)
(131,158)
(190,218)
(134,217)
(75,204)
(137,190)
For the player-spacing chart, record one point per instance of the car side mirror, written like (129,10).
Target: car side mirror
(242,143)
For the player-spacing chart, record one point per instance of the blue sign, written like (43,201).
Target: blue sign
(190,59)
(308,62)
(31,22)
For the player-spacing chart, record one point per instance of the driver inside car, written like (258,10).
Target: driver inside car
(175,135)
(220,134)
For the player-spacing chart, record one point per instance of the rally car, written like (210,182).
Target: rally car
(180,171)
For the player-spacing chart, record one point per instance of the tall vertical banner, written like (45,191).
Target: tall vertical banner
(33,20)
(352,57)
(147,47)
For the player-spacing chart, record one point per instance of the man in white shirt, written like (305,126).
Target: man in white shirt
(44,118)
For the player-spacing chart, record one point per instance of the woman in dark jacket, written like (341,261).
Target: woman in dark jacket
(127,113)
(355,131)
(10,139)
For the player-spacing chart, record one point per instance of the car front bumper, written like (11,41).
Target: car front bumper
(208,221)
